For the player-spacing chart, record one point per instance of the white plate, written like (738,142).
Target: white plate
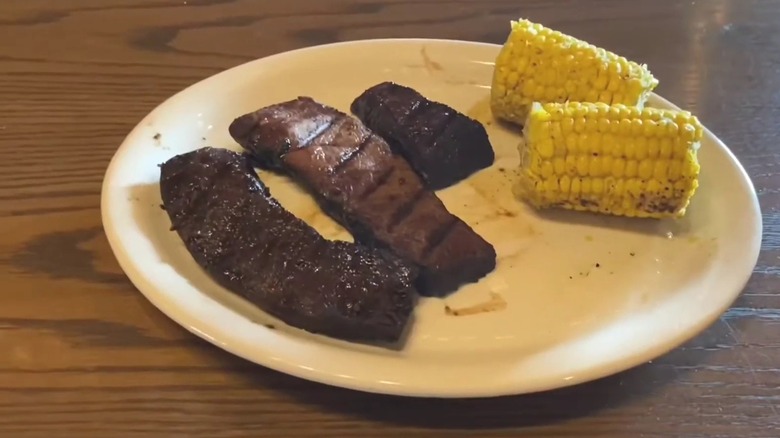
(567,319)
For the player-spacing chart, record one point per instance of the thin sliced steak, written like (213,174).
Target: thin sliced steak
(443,145)
(251,245)
(374,193)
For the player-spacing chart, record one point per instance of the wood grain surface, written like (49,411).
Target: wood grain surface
(83,354)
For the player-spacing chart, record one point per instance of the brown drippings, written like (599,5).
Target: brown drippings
(462,82)
(430,64)
(494,304)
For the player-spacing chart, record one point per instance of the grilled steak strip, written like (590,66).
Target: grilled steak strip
(251,245)
(374,193)
(443,145)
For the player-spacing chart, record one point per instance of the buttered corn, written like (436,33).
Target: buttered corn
(611,159)
(538,64)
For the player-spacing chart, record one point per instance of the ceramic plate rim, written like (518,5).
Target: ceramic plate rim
(204,330)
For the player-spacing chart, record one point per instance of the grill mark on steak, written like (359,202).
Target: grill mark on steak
(383,178)
(375,194)
(354,153)
(441,144)
(438,237)
(450,118)
(320,131)
(405,210)
(248,243)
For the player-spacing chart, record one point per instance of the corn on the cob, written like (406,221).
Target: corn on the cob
(611,159)
(538,64)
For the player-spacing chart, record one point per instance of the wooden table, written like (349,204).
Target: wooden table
(83,354)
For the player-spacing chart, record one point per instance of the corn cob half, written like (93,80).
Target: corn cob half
(538,64)
(610,159)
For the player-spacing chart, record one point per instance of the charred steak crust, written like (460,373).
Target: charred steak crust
(254,247)
(442,145)
(361,183)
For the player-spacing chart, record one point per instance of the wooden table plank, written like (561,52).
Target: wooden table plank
(85,355)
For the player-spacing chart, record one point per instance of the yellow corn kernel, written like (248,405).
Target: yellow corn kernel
(637,128)
(688,132)
(555,131)
(551,185)
(556,113)
(598,186)
(576,187)
(547,169)
(641,148)
(666,148)
(675,170)
(579,124)
(645,169)
(546,148)
(603,124)
(619,168)
(606,164)
(625,127)
(567,124)
(559,166)
(571,143)
(633,187)
(632,167)
(571,164)
(653,186)
(629,148)
(587,186)
(601,82)
(565,183)
(661,169)
(651,127)
(582,165)
(591,125)
(594,167)
(595,143)
(653,147)
(620,187)
(583,143)
(608,143)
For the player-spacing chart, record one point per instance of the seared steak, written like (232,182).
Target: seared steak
(442,145)
(252,246)
(371,191)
